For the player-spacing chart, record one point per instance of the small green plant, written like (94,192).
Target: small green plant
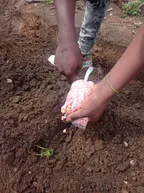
(48,1)
(45,153)
(132,7)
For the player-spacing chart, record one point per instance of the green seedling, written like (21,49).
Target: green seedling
(48,1)
(45,153)
(132,7)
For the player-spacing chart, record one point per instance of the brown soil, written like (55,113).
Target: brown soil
(108,157)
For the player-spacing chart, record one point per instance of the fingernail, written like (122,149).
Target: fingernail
(68,120)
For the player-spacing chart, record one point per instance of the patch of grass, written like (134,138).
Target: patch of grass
(45,153)
(132,7)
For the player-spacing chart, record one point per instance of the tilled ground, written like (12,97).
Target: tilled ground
(108,157)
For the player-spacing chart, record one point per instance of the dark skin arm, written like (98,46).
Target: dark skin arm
(68,57)
(65,12)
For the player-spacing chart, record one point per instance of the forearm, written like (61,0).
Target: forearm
(65,11)
(129,65)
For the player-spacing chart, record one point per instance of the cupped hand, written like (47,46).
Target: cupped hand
(94,106)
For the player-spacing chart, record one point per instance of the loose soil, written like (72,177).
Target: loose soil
(108,157)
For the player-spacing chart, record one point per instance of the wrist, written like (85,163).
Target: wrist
(67,36)
(68,42)
(105,93)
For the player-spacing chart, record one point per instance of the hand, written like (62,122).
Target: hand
(68,59)
(95,105)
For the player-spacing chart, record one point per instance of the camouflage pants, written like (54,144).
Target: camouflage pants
(94,13)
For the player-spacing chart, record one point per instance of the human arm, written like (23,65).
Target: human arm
(127,67)
(68,56)
(65,12)
(130,64)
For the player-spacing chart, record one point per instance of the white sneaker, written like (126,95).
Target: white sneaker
(51,60)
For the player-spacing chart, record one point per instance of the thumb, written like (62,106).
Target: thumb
(76,115)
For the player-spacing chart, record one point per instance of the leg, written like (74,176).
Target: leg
(94,14)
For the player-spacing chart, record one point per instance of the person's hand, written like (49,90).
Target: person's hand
(95,105)
(68,59)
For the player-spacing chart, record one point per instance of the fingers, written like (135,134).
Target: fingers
(76,115)
(81,114)
(71,77)
(68,71)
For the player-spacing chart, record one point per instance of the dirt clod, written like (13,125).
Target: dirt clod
(89,151)
(122,167)
(35,184)
(140,189)
(16,99)
(89,169)
(9,158)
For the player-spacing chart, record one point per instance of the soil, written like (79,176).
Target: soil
(108,157)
